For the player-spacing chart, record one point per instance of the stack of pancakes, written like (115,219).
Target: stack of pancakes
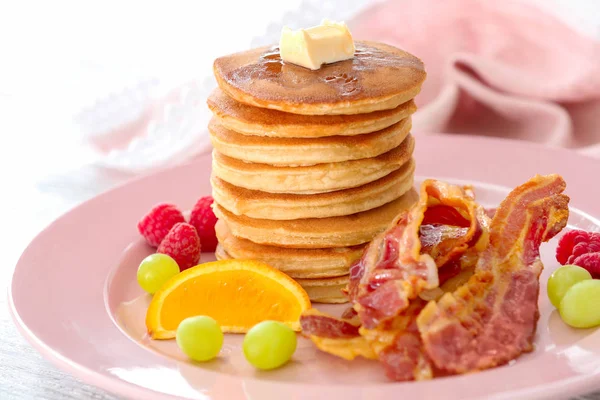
(308,166)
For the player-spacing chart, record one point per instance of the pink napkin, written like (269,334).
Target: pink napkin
(499,68)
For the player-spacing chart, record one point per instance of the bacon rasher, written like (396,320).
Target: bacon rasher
(492,318)
(403,262)
(337,336)
(485,322)
(434,239)
(398,346)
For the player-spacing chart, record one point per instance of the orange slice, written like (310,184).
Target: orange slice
(237,293)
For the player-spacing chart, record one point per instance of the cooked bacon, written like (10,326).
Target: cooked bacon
(349,313)
(398,345)
(314,322)
(405,359)
(396,268)
(492,318)
(440,240)
(335,336)
(346,348)
(444,215)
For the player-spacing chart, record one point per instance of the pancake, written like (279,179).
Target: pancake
(306,151)
(257,121)
(378,77)
(319,290)
(297,263)
(328,290)
(283,206)
(317,178)
(342,231)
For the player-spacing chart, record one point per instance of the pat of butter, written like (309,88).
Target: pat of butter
(312,47)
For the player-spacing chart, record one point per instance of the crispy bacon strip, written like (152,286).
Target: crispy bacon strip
(405,359)
(395,270)
(314,322)
(335,336)
(399,347)
(492,319)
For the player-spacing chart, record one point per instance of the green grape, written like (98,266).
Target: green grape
(579,307)
(269,344)
(155,270)
(200,338)
(562,279)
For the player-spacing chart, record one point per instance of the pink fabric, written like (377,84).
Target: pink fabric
(501,68)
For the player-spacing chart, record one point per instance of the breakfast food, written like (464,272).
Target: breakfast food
(285,206)
(297,263)
(346,230)
(255,121)
(226,291)
(307,151)
(312,151)
(410,311)
(326,290)
(310,179)
(507,272)
(378,77)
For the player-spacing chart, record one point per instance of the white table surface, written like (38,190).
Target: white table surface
(53,63)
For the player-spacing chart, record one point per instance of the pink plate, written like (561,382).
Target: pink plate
(74,295)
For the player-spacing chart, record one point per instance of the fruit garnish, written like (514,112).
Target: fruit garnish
(155,270)
(591,262)
(579,307)
(575,243)
(182,244)
(200,338)
(155,225)
(203,219)
(238,294)
(269,345)
(561,281)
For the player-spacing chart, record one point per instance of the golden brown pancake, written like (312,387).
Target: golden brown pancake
(317,178)
(319,290)
(326,290)
(342,231)
(284,206)
(379,77)
(258,121)
(297,263)
(306,151)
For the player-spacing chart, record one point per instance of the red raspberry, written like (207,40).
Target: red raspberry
(155,225)
(182,244)
(591,262)
(583,248)
(203,219)
(576,241)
